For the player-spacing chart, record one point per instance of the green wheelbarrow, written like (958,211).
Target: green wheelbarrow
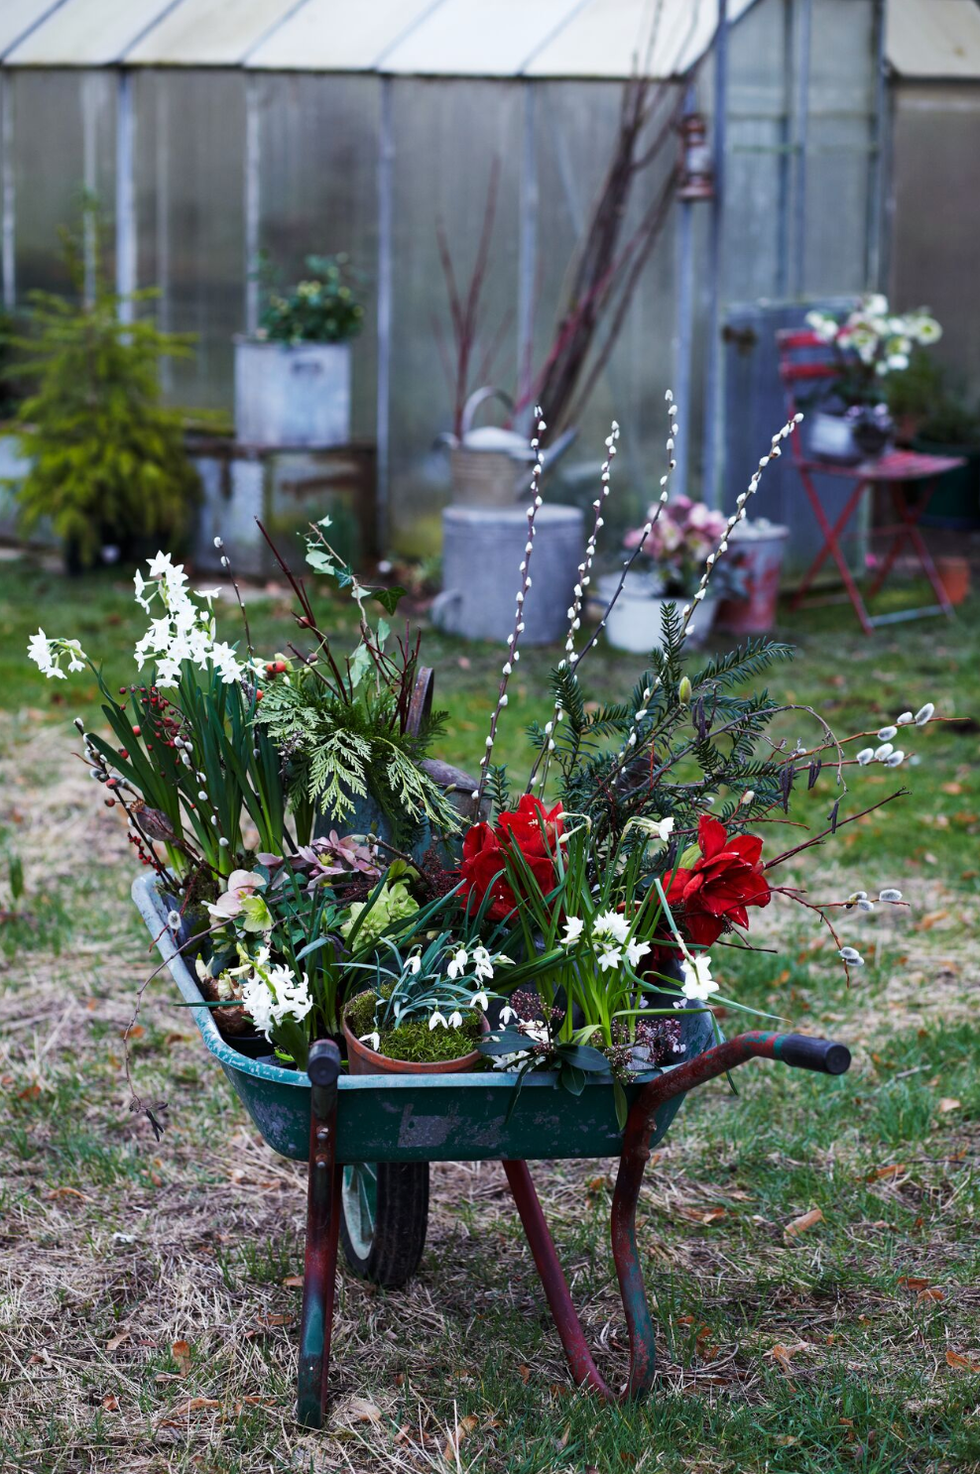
(369,1141)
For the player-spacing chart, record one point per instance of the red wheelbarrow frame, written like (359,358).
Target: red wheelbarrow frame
(324,1208)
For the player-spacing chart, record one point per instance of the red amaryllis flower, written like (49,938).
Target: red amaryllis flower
(718,887)
(530,828)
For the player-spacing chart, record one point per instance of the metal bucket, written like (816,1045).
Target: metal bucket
(756,549)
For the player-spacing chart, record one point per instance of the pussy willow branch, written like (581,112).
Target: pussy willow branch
(832,828)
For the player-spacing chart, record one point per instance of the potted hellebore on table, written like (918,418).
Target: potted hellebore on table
(850,420)
(668,563)
(328,878)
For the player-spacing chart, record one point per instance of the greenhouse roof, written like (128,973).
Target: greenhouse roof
(497,38)
(934,38)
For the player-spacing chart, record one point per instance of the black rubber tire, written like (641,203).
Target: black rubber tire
(383,1219)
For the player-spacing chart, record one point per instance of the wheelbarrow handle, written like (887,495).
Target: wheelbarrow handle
(323,1065)
(804,1052)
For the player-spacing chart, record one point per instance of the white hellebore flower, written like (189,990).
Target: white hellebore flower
(574,926)
(457,964)
(698,982)
(435,1020)
(611,924)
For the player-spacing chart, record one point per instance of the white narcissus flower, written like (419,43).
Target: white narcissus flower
(635,950)
(611,924)
(663,828)
(698,982)
(457,963)
(574,926)
(611,958)
(39,650)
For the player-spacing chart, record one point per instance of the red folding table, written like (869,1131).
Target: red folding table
(895,470)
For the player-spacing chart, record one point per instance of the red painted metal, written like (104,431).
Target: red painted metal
(322,1229)
(803,1052)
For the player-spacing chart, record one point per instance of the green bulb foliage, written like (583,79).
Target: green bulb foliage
(108,462)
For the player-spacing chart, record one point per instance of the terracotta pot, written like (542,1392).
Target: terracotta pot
(954,574)
(364,1061)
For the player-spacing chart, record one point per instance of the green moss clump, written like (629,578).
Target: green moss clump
(414,1041)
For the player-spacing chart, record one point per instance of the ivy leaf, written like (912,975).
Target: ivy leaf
(389,599)
(360,664)
(321,561)
(384,630)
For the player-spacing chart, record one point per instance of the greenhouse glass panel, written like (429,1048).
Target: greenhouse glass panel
(838,178)
(190,131)
(63,151)
(446,136)
(318,195)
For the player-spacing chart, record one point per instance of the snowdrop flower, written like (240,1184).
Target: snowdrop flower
(610,958)
(374,1040)
(482,965)
(506,1014)
(924,713)
(890,895)
(895,758)
(456,1020)
(480,1000)
(574,926)
(611,924)
(852,956)
(635,950)
(698,982)
(457,963)
(865,756)
(435,1020)
(414,964)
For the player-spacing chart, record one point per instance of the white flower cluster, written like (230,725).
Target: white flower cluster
(272,994)
(876,335)
(698,982)
(610,939)
(887,752)
(185,631)
(476,960)
(47,655)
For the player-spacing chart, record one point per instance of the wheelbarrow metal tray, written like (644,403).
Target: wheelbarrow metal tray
(418,1118)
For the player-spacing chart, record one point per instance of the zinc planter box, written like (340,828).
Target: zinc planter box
(292,395)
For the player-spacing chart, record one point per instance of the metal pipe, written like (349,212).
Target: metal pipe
(527,244)
(712,400)
(125,195)
(253,162)
(802,118)
(785,156)
(685,328)
(386,156)
(8,255)
(90,95)
(878,172)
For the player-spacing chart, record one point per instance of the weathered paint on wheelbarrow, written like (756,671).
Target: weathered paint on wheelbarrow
(420,1118)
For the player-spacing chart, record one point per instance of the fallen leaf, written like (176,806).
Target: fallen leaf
(293,1282)
(954,1359)
(713,1215)
(948,1104)
(193,1405)
(932,1293)
(951,787)
(31,1093)
(111,1403)
(466,1425)
(525,1374)
(66,1192)
(181,1353)
(135,1031)
(275,1320)
(786,1440)
(914,1282)
(117,1341)
(805,1221)
(891,1171)
(363,1411)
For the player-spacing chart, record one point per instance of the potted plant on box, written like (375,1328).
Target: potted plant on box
(292,380)
(668,563)
(849,416)
(937,418)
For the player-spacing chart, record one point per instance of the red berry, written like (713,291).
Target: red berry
(136,731)
(110,803)
(280,666)
(123,753)
(122,690)
(258,695)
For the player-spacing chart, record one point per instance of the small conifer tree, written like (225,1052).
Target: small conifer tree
(108,463)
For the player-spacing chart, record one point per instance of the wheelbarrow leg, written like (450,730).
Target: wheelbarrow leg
(322,1224)
(791,1049)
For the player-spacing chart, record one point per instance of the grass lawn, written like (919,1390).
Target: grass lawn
(148,1292)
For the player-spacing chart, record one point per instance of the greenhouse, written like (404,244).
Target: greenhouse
(213,132)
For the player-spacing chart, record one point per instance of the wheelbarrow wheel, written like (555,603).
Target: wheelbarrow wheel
(384,1215)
